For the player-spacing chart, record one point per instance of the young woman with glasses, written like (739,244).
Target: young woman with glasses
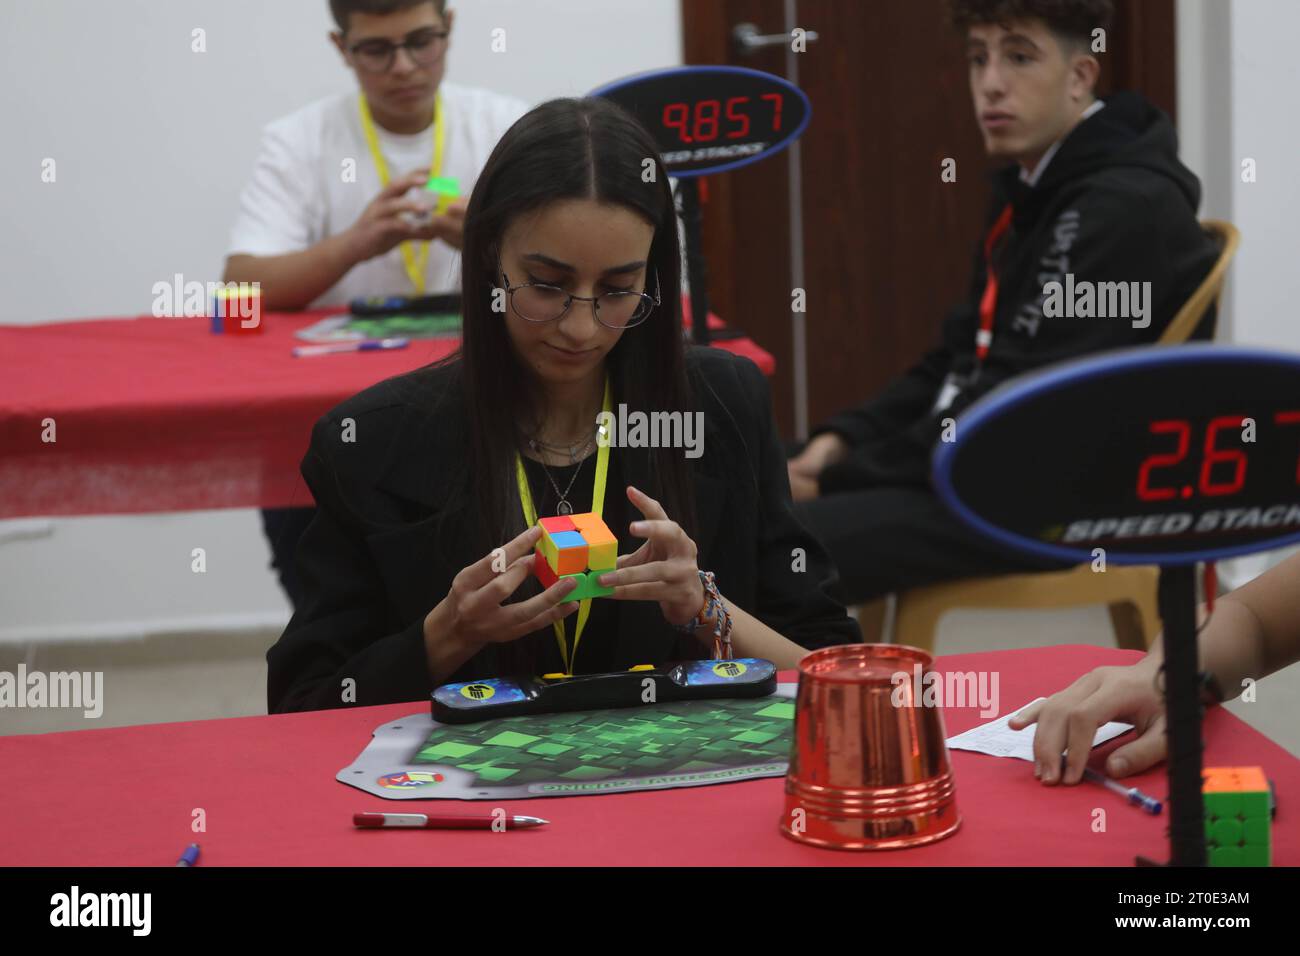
(417,567)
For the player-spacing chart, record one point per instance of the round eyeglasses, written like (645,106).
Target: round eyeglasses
(539,302)
(377,55)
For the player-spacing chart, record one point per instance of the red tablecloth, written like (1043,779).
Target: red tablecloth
(126,797)
(160,415)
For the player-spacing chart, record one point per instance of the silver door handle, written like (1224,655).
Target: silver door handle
(749,41)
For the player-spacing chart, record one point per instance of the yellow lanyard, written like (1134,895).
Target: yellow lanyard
(414,262)
(597,504)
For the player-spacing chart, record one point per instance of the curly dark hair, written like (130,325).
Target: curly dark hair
(1070,19)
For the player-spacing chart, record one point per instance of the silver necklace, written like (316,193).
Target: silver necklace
(564,508)
(572,450)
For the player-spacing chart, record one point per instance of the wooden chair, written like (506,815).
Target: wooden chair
(1129,592)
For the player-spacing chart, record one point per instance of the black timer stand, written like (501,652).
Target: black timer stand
(1182,690)
(689,189)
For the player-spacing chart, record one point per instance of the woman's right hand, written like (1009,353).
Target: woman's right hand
(472,615)
(1069,720)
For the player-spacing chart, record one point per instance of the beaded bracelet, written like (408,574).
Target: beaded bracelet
(713,612)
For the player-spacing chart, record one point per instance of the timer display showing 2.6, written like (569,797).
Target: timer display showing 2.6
(1148,453)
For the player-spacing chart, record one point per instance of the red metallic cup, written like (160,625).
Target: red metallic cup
(869,763)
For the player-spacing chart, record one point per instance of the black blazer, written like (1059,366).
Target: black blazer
(386,539)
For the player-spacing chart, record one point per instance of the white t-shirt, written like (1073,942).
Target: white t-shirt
(300,193)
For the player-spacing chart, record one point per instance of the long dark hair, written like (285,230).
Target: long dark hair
(568,149)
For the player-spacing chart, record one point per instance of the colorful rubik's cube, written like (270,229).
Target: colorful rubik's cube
(446,188)
(576,546)
(1237,816)
(237,309)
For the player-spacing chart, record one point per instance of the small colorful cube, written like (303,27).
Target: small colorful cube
(446,188)
(1237,816)
(576,546)
(237,309)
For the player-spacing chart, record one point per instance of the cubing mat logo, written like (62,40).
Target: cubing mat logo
(406,781)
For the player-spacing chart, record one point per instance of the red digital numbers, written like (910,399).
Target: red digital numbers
(777,100)
(677,116)
(1144,489)
(702,122)
(706,120)
(741,118)
(1290,418)
(1213,456)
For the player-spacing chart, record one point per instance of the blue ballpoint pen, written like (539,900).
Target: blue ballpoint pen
(190,856)
(1132,794)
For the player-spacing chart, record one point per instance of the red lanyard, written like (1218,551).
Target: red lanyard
(989,301)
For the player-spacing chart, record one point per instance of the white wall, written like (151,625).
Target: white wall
(1238,78)
(152,143)
(1237,81)
(1265,83)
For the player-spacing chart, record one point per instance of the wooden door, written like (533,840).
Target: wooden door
(887,244)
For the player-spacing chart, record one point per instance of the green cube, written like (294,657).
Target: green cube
(1255,830)
(1223,804)
(443,185)
(587,586)
(446,188)
(1256,855)
(1225,856)
(1237,816)
(1225,831)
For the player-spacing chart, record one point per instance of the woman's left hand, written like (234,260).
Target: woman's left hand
(663,569)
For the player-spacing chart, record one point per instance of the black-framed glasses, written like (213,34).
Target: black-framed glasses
(539,302)
(424,46)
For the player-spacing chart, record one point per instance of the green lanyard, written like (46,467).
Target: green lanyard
(597,505)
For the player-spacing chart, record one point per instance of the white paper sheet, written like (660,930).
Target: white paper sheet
(998,739)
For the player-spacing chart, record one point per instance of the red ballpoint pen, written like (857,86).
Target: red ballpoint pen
(430,821)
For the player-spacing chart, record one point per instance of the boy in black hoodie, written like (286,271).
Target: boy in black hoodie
(1095,196)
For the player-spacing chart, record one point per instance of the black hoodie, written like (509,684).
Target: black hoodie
(1113,205)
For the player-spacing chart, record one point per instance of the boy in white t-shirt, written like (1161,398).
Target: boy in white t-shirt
(321,223)
(327,217)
